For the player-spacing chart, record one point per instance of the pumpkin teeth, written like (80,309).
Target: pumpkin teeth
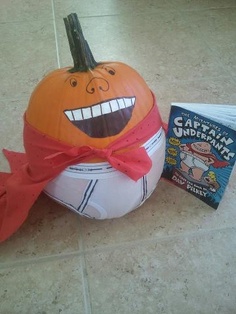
(100,109)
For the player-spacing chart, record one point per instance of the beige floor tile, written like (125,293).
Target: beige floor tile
(50,229)
(49,287)
(218,90)
(217,28)
(27,53)
(11,120)
(221,39)
(12,10)
(227,56)
(191,274)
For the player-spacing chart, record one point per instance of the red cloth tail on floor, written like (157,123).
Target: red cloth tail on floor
(17,195)
(15,159)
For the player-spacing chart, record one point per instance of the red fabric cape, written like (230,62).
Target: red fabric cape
(45,158)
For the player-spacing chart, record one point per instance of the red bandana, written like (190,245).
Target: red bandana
(47,157)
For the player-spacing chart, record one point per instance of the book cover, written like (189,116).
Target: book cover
(200,152)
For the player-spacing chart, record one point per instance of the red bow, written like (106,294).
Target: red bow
(134,163)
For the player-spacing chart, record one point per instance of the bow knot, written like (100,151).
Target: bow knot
(104,153)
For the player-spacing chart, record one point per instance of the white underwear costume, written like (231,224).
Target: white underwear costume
(97,190)
(192,161)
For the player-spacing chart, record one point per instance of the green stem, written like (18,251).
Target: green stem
(80,50)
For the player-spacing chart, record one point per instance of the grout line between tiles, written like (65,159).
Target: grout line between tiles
(55,33)
(167,9)
(170,10)
(85,286)
(173,10)
(26,99)
(133,243)
(84,276)
(82,252)
(38,260)
(22,21)
(205,9)
(200,79)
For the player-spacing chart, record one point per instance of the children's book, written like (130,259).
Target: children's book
(201,149)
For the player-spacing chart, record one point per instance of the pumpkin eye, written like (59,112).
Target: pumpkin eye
(110,70)
(73,82)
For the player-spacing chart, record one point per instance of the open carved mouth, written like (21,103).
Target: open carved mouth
(104,119)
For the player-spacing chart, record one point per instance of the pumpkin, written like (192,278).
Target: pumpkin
(91,103)
(94,104)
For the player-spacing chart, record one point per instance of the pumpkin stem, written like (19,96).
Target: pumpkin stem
(80,50)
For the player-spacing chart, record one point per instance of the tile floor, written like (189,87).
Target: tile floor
(174,255)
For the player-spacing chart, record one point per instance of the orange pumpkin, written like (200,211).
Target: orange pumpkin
(91,103)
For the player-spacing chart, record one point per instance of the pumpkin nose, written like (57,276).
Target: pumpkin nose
(97,84)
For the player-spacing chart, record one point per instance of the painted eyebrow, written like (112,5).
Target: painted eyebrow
(71,77)
(107,66)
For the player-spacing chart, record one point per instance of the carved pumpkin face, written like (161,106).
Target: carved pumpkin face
(91,103)
(89,108)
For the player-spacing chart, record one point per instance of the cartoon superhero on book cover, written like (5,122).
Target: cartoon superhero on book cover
(196,159)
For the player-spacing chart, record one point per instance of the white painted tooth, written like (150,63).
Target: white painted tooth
(133,100)
(121,103)
(128,102)
(114,105)
(69,115)
(77,114)
(96,111)
(105,108)
(86,113)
